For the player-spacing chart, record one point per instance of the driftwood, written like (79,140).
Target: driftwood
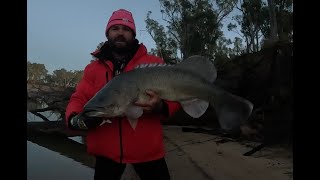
(54,136)
(43,98)
(255,149)
(59,142)
(53,127)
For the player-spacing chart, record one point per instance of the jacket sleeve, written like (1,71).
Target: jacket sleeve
(83,92)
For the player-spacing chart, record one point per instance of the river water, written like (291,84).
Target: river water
(45,164)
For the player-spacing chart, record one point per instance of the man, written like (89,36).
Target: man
(116,143)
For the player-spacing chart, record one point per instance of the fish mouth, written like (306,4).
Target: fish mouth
(94,112)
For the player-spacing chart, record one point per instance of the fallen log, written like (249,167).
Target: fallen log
(53,127)
(59,142)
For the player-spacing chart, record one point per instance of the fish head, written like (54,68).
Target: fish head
(106,111)
(105,105)
(110,102)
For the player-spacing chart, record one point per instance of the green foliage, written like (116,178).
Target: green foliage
(166,46)
(237,46)
(193,27)
(62,77)
(284,14)
(255,22)
(38,74)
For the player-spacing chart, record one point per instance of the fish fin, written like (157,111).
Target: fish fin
(133,113)
(133,123)
(232,110)
(201,66)
(195,107)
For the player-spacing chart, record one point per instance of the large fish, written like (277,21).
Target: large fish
(190,83)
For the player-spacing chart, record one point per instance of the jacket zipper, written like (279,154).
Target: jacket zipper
(120,129)
(120,119)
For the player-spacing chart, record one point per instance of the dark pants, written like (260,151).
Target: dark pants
(107,169)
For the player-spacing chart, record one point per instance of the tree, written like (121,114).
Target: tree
(258,22)
(77,75)
(193,27)
(237,46)
(166,46)
(62,77)
(273,21)
(284,14)
(36,72)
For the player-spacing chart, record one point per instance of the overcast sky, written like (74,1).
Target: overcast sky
(63,33)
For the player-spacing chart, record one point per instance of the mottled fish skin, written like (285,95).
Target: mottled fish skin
(189,82)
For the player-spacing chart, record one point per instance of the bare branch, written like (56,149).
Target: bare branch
(40,115)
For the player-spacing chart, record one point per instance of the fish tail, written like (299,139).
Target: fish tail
(231,110)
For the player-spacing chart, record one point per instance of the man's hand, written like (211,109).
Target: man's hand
(82,122)
(155,103)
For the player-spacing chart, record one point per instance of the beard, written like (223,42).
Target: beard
(120,44)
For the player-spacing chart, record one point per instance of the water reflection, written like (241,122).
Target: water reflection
(49,115)
(78,139)
(52,116)
(49,165)
(51,158)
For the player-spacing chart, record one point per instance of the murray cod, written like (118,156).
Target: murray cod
(189,82)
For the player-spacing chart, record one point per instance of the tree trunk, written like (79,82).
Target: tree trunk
(273,22)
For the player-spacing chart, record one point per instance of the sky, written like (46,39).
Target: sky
(63,33)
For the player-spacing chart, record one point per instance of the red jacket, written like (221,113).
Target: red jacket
(145,143)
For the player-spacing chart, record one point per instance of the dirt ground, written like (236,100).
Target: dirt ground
(196,156)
